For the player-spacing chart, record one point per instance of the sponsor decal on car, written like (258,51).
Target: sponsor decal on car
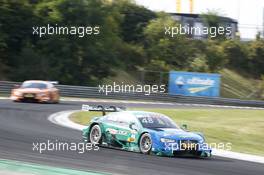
(114,131)
(111,131)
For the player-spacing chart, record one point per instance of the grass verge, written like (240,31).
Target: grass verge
(235,85)
(243,128)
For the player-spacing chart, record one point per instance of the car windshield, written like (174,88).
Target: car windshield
(34,85)
(155,120)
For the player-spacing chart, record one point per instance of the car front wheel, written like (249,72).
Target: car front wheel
(145,143)
(95,134)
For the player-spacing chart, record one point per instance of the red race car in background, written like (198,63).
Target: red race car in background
(36,91)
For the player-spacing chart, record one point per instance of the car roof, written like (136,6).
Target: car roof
(135,113)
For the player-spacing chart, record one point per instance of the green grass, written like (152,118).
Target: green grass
(243,128)
(83,117)
(236,85)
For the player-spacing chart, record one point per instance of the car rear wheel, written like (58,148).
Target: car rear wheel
(95,134)
(145,143)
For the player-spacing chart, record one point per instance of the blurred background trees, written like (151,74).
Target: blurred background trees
(131,39)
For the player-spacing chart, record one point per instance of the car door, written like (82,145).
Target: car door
(110,128)
(125,133)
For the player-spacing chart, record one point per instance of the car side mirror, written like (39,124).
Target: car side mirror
(133,126)
(184,127)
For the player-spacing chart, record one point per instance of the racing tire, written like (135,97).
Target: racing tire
(95,135)
(145,143)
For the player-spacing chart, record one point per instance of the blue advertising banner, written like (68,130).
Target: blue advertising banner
(194,84)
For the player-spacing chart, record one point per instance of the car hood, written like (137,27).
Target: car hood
(176,134)
(29,90)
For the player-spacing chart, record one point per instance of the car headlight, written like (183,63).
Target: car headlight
(16,93)
(164,140)
(202,140)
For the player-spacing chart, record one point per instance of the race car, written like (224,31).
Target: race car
(36,91)
(145,132)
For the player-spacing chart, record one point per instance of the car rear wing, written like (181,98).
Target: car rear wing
(102,108)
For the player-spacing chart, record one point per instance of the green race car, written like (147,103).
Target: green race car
(145,132)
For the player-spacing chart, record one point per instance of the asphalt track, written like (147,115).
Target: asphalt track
(22,124)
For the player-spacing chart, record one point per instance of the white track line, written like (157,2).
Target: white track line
(239,156)
(62,119)
(115,101)
(149,102)
(160,103)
